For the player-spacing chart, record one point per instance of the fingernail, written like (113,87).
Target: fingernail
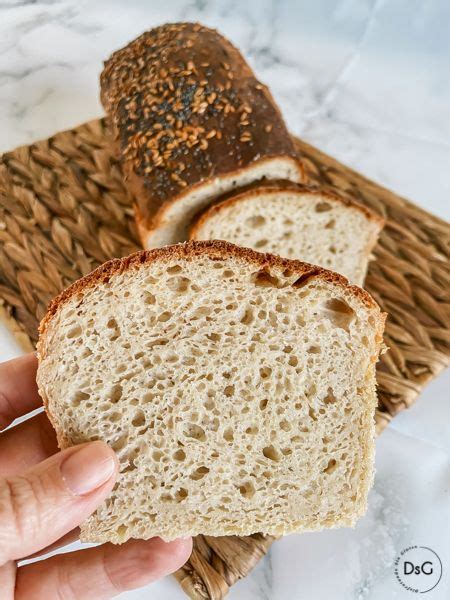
(88,468)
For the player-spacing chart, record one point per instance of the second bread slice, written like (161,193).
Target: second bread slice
(299,222)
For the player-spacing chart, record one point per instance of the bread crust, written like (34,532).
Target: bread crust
(214,249)
(186,108)
(252,192)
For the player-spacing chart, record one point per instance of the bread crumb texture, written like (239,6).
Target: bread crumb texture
(237,389)
(315,226)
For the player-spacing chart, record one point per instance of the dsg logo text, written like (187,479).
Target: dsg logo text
(418,569)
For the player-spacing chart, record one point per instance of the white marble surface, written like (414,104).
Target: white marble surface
(365,80)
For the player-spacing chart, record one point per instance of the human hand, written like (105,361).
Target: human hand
(45,494)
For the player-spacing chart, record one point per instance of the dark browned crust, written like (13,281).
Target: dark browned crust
(252,191)
(215,250)
(186,108)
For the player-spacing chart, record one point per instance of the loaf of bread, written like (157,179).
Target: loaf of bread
(237,388)
(296,221)
(192,122)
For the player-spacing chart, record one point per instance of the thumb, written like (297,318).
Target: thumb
(49,500)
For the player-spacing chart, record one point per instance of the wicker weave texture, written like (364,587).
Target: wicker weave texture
(64,209)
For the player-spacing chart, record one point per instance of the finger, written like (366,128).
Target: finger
(18,390)
(68,538)
(101,572)
(26,445)
(49,500)
(7,580)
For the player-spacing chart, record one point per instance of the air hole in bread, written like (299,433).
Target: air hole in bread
(262,405)
(79,397)
(261,243)
(138,419)
(179,455)
(114,417)
(120,443)
(199,473)
(339,313)
(195,431)
(129,468)
(285,425)
(265,372)
(86,352)
(248,317)
(332,465)
(157,455)
(74,332)
(149,298)
(229,391)
(265,279)
(302,280)
(174,269)
(271,453)
(323,207)
(312,413)
(330,224)
(330,398)
(313,350)
(201,311)
(293,361)
(164,316)
(252,430)
(122,531)
(247,489)
(181,494)
(115,393)
(228,273)
(178,284)
(228,435)
(255,221)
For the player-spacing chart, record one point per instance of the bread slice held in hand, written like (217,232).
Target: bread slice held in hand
(237,388)
(299,222)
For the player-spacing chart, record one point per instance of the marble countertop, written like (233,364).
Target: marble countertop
(366,81)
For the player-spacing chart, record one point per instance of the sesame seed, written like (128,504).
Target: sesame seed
(164,98)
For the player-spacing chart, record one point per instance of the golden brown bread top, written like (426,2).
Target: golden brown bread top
(215,250)
(186,107)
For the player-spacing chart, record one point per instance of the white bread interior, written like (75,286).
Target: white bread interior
(307,225)
(237,389)
(171,223)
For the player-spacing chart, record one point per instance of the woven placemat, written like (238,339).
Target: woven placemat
(64,209)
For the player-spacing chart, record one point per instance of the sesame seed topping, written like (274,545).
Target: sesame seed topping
(174,111)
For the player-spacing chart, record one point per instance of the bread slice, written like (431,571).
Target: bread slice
(192,122)
(237,388)
(299,222)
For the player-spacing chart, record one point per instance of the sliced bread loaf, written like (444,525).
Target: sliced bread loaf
(192,122)
(299,222)
(237,388)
